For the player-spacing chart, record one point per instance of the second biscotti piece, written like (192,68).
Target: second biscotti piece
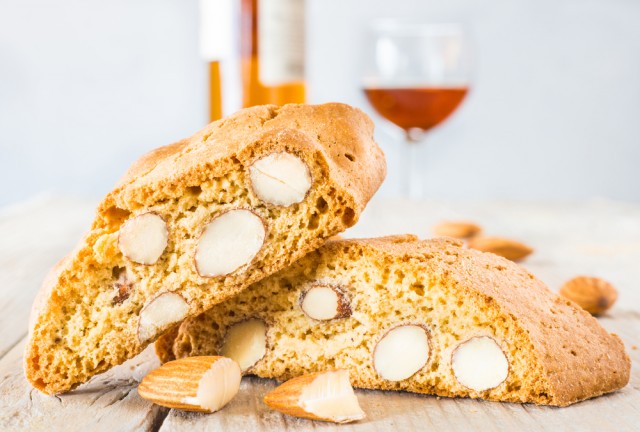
(194,223)
(421,316)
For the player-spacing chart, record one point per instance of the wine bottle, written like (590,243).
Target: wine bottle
(217,33)
(272,51)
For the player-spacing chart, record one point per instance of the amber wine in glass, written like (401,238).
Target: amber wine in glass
(415,76)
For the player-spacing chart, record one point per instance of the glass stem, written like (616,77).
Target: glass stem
(414,166)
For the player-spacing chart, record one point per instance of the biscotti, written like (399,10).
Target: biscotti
(194,223)
(421,316)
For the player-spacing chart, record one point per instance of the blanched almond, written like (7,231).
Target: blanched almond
(325,302)
(246,342)
(143,238)
(402,352)
(229,242)
(280,178)
(480,364)
(161,312)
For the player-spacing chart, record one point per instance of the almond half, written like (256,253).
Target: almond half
(479,363)
(229,242)
(203,384)
(326,396)
(162,311)
(324,302)
(510,249)
(143,238)
(246,342)
(401,352)
(280,179)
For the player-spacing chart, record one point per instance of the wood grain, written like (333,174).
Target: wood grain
(34,236)
(109,402)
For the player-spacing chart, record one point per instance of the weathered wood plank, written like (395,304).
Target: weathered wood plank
(33,237)
(109,402)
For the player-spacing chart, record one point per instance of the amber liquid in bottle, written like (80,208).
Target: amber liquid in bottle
(416,108)
(254,91)
(215,91)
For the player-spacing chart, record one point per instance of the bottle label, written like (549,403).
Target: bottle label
(281,41)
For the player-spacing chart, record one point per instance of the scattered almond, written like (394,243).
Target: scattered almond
(508,248)
(592,294)
(326,396)
(456,229)
(202,384)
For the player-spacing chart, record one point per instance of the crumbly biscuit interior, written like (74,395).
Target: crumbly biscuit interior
(384,292)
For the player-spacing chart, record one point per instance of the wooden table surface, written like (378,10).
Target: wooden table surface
(599,237)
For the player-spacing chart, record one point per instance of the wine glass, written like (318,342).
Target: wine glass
(415,75)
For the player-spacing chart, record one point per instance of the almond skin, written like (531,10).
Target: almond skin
(592,294)
(456,229)
(284,398)
(291,398)
(189,384)
(510,249)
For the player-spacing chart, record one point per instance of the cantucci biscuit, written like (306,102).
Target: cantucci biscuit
(194,223)
(421,316)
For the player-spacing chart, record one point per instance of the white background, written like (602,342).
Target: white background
(86,86)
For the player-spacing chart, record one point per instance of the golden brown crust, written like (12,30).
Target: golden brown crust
(572,357)
(322,136)
(342,134)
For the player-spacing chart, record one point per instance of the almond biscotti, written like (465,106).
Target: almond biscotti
(194,223)
(420,316)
